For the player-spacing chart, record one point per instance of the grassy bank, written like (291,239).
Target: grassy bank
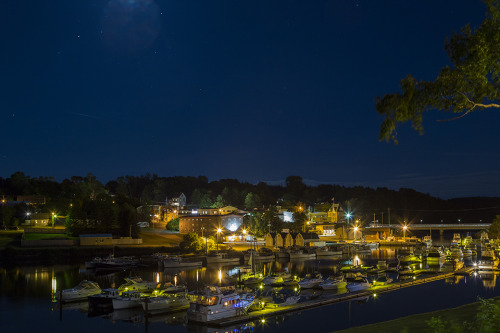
(418,323)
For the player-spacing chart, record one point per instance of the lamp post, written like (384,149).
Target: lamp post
(355,230)
(404,233)
(218,232)
(28,214)
(53,220)
(206,240)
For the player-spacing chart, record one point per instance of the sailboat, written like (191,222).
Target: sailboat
(253,277)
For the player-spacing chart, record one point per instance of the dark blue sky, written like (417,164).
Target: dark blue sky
(254,90)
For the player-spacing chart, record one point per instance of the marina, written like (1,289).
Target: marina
(372,278)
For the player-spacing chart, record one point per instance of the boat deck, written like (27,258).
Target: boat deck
(327,298)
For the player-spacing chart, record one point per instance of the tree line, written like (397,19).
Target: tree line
(88,203)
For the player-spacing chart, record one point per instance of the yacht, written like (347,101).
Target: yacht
(79,293)
(138,284)
(277,278)
(489,260)
(163,304)
(333,283)
(427,241)
(221,258)
(455,252)
(360,284)
(262,254)
(177,262)
(128,300)
(456,239)
(213,304)
(434,256)
(301,255)
(310,281)
(327,252)
(382,281)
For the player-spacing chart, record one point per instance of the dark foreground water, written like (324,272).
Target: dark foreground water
(26,303)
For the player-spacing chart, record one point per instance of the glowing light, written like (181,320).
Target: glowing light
(196,276)
(220,275)
(233,227)
(244,231)
(175,280)
(263,320)
(374,295)
(219,230)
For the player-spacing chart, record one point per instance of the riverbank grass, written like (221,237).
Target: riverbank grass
(454,317)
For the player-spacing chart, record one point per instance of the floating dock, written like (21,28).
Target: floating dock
(326,298)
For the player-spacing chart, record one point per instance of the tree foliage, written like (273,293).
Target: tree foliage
(469,83)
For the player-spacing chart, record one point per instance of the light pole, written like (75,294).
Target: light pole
(218,232)
(53,221)
(404,233)
(206,240)
(355,230)
(28,214)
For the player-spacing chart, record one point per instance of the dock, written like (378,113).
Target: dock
(327,298)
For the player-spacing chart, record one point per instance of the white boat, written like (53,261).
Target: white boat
(277,278)
(310,282)
(177,262)
(456,239)
(128,300)
(163,304)
(489,261)
(301,255)
(114,263)
(213,304)
(283,301)
(434,256)
(221,258)
(361,284)
(262,254)
(138,284)
(282,253)
(427,241)
(326,252)
(382,281)
(79,293)
(455,252)
(334,283)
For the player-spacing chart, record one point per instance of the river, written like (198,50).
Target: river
(26,299)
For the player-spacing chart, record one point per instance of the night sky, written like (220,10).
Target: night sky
(253,90)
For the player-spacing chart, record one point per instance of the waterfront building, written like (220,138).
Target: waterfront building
(208,224)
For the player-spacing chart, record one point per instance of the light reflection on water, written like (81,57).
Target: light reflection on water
(27,291)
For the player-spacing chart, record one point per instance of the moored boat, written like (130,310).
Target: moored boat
(177,262)
(213,304)
(79,293)
(166,303)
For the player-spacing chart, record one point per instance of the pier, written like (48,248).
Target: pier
(327,298)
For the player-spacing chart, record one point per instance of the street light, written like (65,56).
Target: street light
(53,222)
(404,232)
(206,240)
(218,232)
(355,230)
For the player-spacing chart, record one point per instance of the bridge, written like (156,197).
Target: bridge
(441,227)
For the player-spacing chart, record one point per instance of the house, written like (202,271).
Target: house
(39,219)
(177,200)
(283,239)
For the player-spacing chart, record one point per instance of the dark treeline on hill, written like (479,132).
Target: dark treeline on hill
(86,201)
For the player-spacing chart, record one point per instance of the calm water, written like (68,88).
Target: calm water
(26,300)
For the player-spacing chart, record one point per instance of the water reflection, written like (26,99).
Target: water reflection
(25,284)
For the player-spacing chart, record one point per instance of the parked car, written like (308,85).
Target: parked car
(143,224)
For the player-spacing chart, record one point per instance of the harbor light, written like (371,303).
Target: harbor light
(374,295)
